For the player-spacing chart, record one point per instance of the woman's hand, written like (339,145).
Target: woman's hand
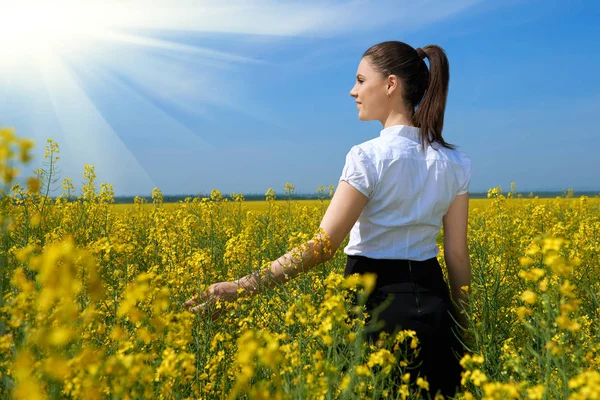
(224,291)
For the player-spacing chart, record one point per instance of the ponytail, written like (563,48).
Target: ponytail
(425,89)
(429,115)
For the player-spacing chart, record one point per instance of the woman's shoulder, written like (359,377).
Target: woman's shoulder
(365,149)
(376,149)
(462,156)
(464,159)
(454,155)
(373,149)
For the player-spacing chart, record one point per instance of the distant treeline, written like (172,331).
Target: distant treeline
(296,196)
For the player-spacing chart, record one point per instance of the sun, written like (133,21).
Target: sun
(37,28)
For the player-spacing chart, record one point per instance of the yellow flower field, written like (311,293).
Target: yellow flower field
(262,205)
(92,296)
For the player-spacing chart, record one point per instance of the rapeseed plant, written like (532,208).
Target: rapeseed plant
(91,299)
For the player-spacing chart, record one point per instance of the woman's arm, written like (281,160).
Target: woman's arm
(343,211)
(456,252)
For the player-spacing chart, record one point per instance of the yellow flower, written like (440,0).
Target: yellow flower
(497,390)
(351,337)
(586,385)
(470,360)
(10,174)
(567,289)
(270,194)
(477,377)
(422,383)
(33,184)
(383,358)
(289,188)
(533,274)
(536,392)
(549,244)
(36,219)
(369,281)
(564,322)
(363,370)
(7,134)
(144,335)
(28,387)
(57,367)
(25,149)
(345,382)
(553,347)
(533,249)
(526,261)
(522,312)
(528,297)
(569,307)
(60,336)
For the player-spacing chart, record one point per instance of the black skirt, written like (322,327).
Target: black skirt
(420,301)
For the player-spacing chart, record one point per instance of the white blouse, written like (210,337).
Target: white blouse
(409,191)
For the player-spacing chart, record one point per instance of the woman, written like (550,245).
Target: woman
(395,193)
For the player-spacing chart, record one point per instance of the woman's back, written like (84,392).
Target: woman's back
(409,191)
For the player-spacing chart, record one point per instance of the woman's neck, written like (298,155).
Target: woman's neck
(396,118)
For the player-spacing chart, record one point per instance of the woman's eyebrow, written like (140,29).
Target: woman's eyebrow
(359,75)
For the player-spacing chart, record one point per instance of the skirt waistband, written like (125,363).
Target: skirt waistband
(427,273)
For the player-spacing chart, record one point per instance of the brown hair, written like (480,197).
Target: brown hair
(424,89)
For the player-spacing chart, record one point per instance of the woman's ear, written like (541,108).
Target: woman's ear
(392,84)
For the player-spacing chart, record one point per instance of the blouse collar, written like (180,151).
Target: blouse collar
(410,132)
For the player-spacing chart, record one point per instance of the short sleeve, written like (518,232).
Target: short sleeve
(359,171)
(466,161)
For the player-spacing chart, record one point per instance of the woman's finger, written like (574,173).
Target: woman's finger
(202,297)
(201,308)
(198,309)
(196,299)
(191,302)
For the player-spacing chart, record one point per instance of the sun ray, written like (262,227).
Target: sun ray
(142,41)
(132,117)
(87,134)
(192,85)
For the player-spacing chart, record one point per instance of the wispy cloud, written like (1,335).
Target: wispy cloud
(285,18)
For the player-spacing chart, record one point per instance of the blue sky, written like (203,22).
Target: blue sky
(242,98)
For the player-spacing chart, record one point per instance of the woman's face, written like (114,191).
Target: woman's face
(370,92)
